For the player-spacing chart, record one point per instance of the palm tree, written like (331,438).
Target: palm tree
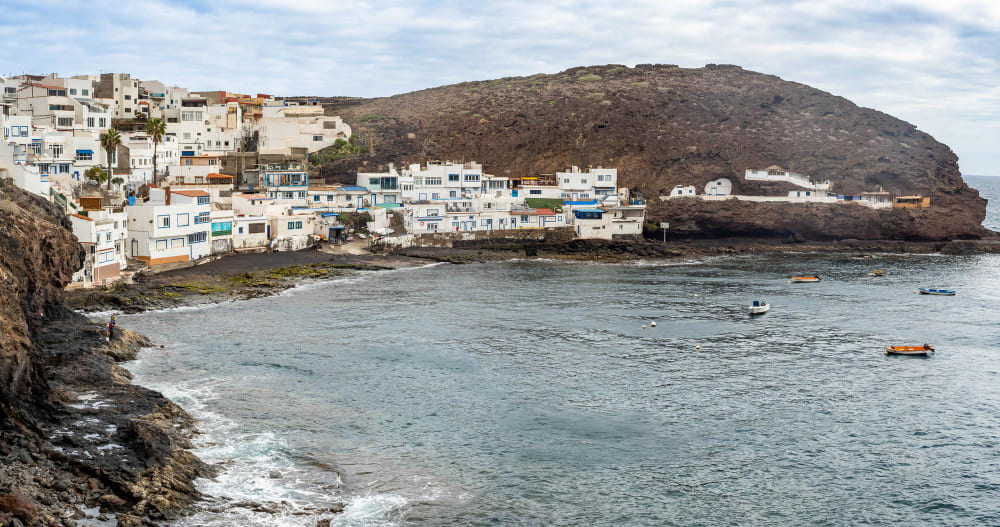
(156,129)
(110,141)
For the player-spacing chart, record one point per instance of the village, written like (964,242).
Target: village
(152,175)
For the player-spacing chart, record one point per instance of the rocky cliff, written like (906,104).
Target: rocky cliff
(74,433)
(661,126)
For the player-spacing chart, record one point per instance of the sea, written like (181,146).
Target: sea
(534,392)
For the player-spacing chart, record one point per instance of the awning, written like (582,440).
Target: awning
(87,152)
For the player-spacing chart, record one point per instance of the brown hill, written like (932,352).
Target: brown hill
(661,126)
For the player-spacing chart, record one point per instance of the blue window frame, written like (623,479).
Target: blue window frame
(202,217)
(197,237)
(203,200)
(162,221)
(183,219)
(161,245)
(316,197)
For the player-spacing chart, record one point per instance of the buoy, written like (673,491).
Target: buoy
(697,347)
(643,326)
(653,323)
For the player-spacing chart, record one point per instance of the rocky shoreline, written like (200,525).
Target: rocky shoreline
(623,251)
(103,448)
(233,278)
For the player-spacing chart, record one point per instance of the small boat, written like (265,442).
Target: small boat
(759,307)
(942,292)
(919,351)
(805,278)
(877,272)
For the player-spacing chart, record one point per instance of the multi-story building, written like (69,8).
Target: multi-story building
(122,90)
(172,226)
(284,128)
(103,234)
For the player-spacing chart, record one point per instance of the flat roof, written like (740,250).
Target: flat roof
(191,193)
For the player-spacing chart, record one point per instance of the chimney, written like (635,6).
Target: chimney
(166,195)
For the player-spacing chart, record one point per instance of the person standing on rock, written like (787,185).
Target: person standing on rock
(111,328)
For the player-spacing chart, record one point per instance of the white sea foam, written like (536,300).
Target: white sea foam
(374,510)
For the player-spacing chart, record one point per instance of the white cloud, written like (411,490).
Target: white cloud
(936,64)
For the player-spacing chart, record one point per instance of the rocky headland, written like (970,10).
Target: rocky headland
(78,441)
(662,126)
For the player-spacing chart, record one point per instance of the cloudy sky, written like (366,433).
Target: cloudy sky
(931,62)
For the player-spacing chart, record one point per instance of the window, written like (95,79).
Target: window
(317,138)
(329,197)
(176,242)
(187,135)
(163,221)
(203,217)
(183,220)
(203,200)
(107,236)
(256,228)
(72,91)
(316,197)
(433,181)
(161,245)
(287,195)
(85,92)
(472,177)
(57,150)
(65,121)
(84,156)
(222,228)
(452,194)
(90,122)
(294,225)
(197,237)
(191,116)
(534,191)
(128,97)
(128,110)
(453,177)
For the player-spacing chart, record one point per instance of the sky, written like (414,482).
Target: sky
(933,63)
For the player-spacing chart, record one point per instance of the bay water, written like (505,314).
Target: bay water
(528,393)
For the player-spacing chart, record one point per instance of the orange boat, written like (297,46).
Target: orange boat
(921,351)
(805,279)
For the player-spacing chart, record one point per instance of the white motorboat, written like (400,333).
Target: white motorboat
(759,307)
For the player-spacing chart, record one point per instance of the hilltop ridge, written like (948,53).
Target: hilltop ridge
(661,126)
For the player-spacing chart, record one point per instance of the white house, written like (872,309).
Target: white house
(681,191)
(719,187)
(282,128)
(103,234)
(172,226)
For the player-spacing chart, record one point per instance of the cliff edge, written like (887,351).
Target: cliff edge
(662,126)
(74,432)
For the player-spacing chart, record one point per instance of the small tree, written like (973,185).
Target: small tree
(110,141)
(117,180)
(156,129)
(96,174)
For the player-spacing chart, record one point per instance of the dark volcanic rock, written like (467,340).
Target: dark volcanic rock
(661,125)
(70,421)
